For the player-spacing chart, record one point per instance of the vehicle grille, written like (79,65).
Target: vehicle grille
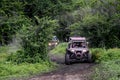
(78,52)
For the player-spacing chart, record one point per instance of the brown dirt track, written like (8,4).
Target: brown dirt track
(75,71)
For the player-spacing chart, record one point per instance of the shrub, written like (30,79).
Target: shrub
(35,42)
(100,54)
(111,54)
(97,53)
(109,67)
(107,71)
(3,49)
(59,49)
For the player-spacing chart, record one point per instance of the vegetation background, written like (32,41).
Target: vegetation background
(33,22)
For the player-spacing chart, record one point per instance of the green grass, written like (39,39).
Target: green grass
(12,70)
(100,54)
(59,49)
(109,70)
(3,57)
(4,49)
(109,64)
(8,70)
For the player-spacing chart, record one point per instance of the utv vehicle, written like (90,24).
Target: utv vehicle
(77,50)
(53,42)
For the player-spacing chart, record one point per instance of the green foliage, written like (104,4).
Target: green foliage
(100,55)
(44,8)
(111,54)
(97,53)
(109,60)
(97,17)
(97,22)
(8,70)
(35,42)
(33,32)
(59,49)
(3,49)
(9,12)
(107,71)
(11,70)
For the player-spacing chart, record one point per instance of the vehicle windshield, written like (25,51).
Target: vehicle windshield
(54,38)
(78,45)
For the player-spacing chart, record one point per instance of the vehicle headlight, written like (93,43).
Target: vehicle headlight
(49,44)
(84,50)
(56,43)
(72,50)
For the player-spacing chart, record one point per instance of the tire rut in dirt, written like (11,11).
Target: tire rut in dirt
(59,59)
(75,71)
(68,72)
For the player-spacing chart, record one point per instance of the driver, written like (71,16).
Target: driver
(74,45)
(83,45)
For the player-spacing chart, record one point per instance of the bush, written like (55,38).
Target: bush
(109,67)
(19,57)
(15,65)
(100,54)
(111,54)
(35,42)
(109,70)
(3,49)
(97,53)
(59,49)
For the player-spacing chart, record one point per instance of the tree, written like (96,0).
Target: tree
(99,23)
(11,19)
(35,41)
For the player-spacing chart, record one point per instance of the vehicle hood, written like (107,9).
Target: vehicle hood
(79,49)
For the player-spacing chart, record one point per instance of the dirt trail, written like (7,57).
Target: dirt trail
(75,71)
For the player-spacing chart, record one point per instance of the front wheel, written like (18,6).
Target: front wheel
(67,59)
(89,57)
